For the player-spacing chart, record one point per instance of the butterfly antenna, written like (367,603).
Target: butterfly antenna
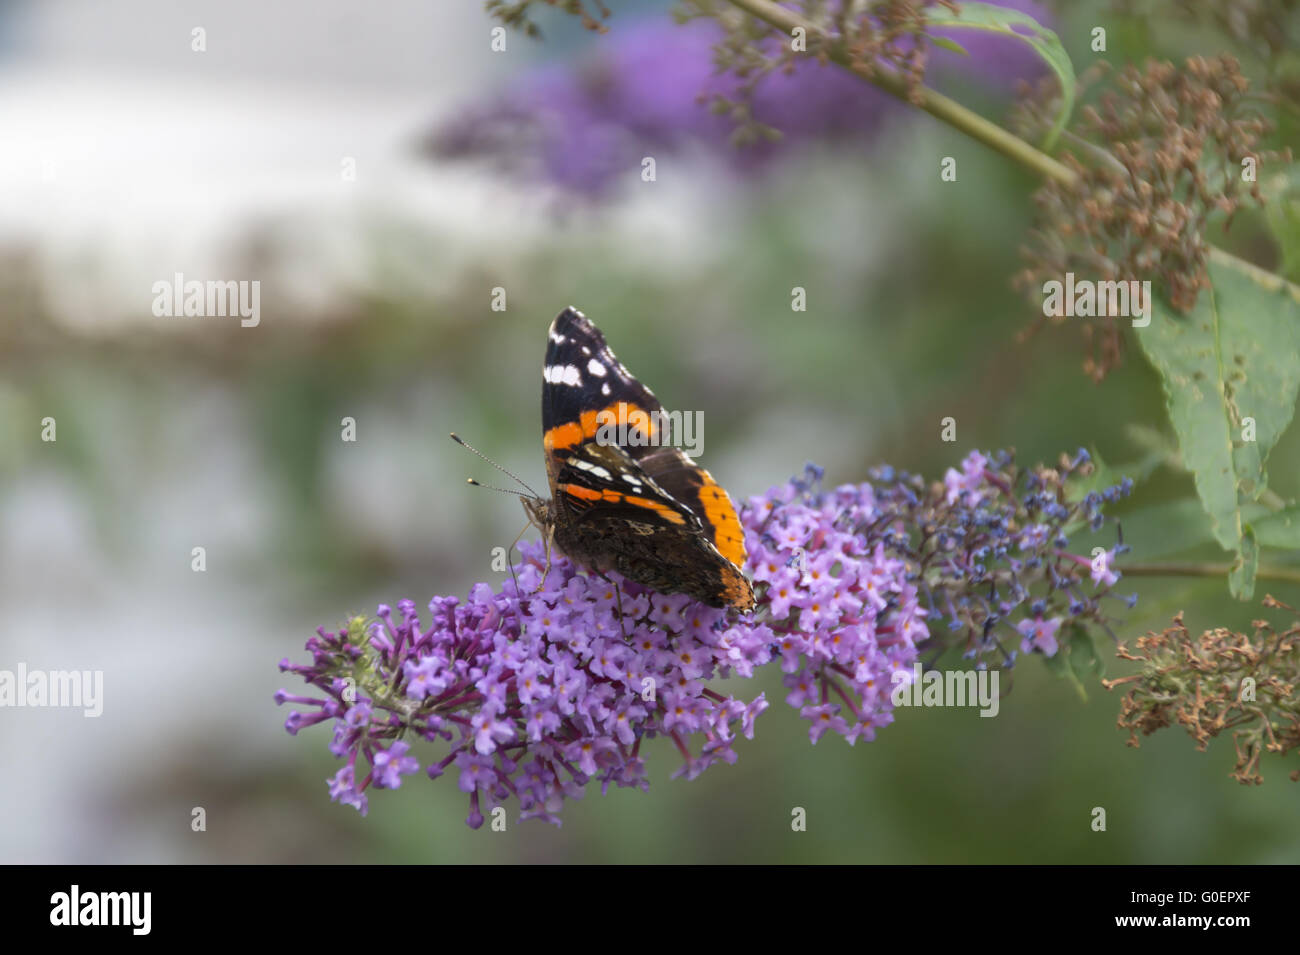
(459,440)
(493,487)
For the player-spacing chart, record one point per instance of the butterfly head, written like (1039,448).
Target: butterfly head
(541,513)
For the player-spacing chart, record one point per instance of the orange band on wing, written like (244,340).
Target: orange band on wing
(719,513)
(736,590)
(563,436)
(616,414)
(617,497)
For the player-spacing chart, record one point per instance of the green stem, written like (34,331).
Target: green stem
(965,120)
(936,104)
(1290,575)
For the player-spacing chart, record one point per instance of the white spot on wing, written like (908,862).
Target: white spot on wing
(604,389)
(596,368)
(562,375)
(590,468)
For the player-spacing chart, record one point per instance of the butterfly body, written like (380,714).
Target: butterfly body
(620,500)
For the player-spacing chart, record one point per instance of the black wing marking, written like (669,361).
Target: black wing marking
(695,488)
(582,373)
(625,491)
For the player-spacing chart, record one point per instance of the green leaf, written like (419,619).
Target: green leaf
(1241,580)
(1058,664)
(1076,659)
(1157,447)
(1004,21)
(1085,661)
(1279,529)
(952,46)
(1173,527)
(1281,189)
(1167,528)
(1231,359)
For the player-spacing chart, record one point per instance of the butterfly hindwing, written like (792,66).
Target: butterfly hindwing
(691,485)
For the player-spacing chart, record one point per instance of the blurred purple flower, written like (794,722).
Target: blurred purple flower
(643,90)
(997,61)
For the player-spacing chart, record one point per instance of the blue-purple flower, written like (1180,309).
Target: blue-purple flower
(1039,634)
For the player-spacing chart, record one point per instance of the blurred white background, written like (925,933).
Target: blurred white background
(129,156)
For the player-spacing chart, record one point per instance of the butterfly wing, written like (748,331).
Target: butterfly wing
(584,385)
(689,484)
(604,480)
(658,516)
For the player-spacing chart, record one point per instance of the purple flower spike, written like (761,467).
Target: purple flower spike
(533,691)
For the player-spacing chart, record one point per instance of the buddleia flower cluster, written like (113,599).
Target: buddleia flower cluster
(764,87)
(655,88)
(530,691)
(1217,682)
(1160,152)
(877,37)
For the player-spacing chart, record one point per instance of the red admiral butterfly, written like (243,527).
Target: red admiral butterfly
(648,512)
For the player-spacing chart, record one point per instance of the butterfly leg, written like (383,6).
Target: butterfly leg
(618,600)
(546,539)
(510,550)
